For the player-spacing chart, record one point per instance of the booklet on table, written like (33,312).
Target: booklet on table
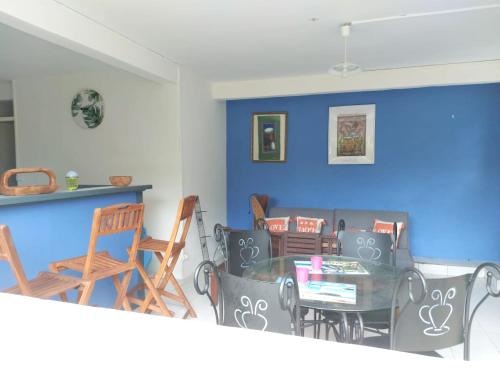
(335,267)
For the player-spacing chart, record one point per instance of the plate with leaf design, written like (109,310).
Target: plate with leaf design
(87,109)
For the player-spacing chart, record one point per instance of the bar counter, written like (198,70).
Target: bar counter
(56,226)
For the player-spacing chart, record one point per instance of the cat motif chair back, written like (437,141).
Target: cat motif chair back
(245,248)
(428,314)
(251,304)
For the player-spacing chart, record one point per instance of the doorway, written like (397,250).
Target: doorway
(7,138)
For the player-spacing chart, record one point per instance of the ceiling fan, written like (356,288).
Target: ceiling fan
(345,68)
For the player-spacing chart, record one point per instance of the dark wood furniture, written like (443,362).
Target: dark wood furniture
(290,243)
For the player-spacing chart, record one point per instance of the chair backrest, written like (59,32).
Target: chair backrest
(301,243)
(427,314)
(491,287)
(115,219)
(259,206)
(252,304)
(183,219)
(245,248)
(8,253)
(371,246)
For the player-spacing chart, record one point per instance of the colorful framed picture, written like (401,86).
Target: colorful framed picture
(269,133)
(351,135)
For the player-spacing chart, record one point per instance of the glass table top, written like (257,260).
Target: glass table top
(345,284)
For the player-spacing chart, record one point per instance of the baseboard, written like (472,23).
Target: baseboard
(443,269)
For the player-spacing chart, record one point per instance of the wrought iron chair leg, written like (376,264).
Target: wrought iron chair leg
(336,334)
(344,324)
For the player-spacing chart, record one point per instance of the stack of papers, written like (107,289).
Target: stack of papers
(335,267)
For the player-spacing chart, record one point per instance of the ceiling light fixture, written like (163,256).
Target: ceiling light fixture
(345,68)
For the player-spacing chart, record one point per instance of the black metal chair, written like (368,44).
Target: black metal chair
(251,304)
(492,290)
(376,247)
(245,248)
(426,314)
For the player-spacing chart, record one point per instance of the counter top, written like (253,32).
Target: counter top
(82,192)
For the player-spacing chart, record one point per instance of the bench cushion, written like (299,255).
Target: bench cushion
(308,212)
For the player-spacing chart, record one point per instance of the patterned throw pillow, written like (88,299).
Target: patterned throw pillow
(278,224)
(309,224)
(380,226)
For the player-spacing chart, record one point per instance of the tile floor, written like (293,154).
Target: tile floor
(485,342)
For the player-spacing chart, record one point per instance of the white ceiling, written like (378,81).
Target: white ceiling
(23,55)
(247,39)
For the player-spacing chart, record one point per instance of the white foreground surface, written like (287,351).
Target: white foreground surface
(42,337)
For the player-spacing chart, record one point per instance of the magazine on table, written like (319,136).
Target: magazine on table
(335,267)
(326,291)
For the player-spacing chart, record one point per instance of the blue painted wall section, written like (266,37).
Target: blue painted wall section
(437,156)
(56,230)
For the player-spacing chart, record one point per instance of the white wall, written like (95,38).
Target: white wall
(139,136)
(203,129)
(172,136)
(5,90)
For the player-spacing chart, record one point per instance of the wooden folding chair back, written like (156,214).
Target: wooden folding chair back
(115,219)
(259,205)
(8,253)
(183,219)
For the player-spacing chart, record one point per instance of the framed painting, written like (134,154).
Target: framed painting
(269,136)
(351,135)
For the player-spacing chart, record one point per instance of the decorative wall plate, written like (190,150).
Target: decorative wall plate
(87,109)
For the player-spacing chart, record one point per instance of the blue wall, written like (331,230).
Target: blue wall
(437,156)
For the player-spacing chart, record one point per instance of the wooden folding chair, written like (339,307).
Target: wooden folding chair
(259,206)
(45,285)
(100,265)
(168,253)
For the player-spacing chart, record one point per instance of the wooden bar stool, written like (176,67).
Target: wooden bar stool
(168,253)
(45,285)
(100,265)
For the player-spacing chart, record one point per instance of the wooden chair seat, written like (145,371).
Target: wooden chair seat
(45,285)
(48,284)
(151,244)
(102,261)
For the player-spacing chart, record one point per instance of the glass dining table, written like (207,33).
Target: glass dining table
(347,286)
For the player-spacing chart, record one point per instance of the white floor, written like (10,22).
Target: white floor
(485,342)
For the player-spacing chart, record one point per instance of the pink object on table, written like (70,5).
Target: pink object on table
(316,276)
(316,262)
(302,274)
